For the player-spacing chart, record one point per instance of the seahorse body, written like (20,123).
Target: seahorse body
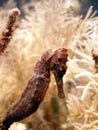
(37,86)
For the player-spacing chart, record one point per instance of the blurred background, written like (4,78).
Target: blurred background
(42,25)
(85,4)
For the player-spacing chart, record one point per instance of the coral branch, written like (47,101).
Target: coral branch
(8,30)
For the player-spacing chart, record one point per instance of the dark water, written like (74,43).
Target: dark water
(85,4)
(95,4)
(18,2)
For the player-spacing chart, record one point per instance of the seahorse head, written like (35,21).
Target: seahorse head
(58,67)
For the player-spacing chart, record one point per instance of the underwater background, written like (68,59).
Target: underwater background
(53,24)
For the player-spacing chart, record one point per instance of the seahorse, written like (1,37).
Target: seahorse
(37,86)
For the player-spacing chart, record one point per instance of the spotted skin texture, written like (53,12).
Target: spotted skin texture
(37,86)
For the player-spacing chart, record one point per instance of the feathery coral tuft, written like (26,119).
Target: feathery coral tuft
(53,24)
